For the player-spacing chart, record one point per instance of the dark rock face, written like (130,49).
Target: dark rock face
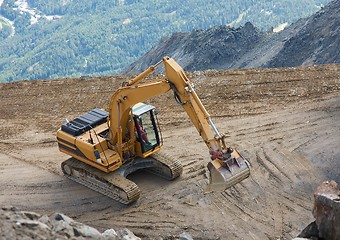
(310,41)
(311,231)
(215,48)
(327,210)
(318,42)
(221,47)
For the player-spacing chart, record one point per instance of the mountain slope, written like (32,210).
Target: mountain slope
(317,42)
(314,40)
(215,48)
(49,39)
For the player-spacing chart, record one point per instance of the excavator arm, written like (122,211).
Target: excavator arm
(187,97)
(227,167)
(121,104)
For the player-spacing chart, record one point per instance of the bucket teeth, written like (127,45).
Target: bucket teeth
(225,175)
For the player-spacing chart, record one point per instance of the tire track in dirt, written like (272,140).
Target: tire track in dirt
(285,121)
(267,206)
(277,163)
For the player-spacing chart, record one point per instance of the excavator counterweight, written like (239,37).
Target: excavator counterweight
(107,146)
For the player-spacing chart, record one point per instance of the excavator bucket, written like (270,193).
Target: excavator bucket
(225,174)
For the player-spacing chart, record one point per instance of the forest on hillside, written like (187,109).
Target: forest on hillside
(94,38)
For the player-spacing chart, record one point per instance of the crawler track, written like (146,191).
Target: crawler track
(166,166)
(115,185)
(112,184)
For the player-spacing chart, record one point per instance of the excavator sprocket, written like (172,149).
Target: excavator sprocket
(165,166)
(111,184)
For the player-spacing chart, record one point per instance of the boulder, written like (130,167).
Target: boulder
(310,232)
(126,234)
(110,234)
(327,210)
(185,236)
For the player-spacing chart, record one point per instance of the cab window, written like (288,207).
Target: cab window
(146,131)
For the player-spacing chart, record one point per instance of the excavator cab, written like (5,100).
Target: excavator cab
(146,128)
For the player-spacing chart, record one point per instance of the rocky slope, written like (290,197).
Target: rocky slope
(310,41)
(215,48)
(317,42)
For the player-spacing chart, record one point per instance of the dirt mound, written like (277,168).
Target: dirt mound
(285,121)
(310,41)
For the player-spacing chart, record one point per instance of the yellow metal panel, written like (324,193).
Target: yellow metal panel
(67,145)
(66,137)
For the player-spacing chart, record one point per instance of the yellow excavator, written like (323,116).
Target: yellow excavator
(107,146)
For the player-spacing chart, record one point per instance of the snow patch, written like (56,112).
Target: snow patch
(127,21)
(239,19)
(23,7)
(121,2)
(172,13)
(64,2)
(280,27)
(11,24)
(53,17)
(266,12)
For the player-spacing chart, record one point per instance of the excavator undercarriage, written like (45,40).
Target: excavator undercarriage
(115,184)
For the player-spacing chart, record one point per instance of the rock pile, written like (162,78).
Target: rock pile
(326,212)
(16,224)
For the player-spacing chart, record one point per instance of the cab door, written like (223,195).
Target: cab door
(146,131)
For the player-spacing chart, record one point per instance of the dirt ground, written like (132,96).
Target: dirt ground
(285,121)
